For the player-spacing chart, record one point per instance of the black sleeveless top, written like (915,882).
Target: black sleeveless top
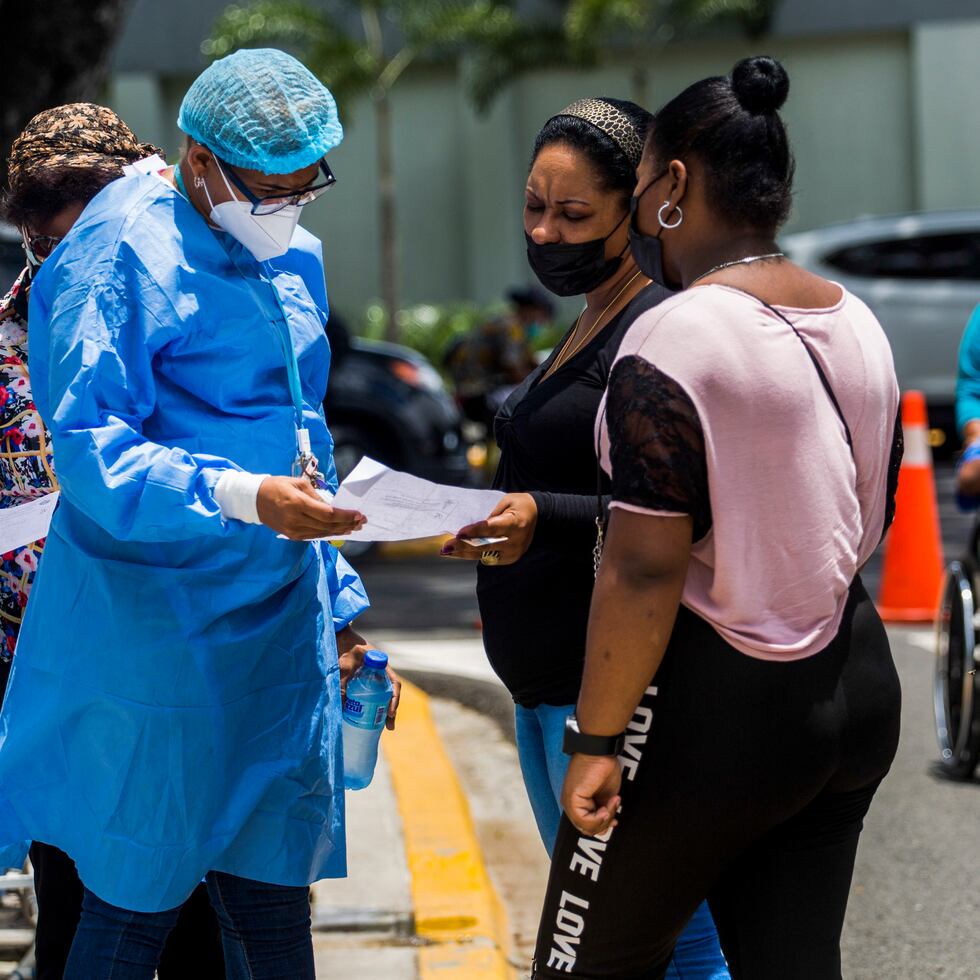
(535,612)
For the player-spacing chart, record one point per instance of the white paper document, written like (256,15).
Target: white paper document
(400,507)
(26,523)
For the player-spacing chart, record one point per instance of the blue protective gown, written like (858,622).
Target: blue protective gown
(174,705)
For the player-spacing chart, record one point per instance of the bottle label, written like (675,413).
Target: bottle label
(365,714)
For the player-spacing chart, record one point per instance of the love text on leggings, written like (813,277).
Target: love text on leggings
(589,852)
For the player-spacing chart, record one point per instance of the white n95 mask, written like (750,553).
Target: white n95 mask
(264,235)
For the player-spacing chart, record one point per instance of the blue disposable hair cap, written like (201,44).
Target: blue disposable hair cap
(263,110)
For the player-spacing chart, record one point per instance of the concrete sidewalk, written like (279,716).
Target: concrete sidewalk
(456,656)
(418,902)
(363,925)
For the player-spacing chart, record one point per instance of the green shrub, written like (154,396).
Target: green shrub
(429,328)
(432,328)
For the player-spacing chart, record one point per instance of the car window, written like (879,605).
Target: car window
(947,256)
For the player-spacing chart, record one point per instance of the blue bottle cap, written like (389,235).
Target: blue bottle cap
(375,660)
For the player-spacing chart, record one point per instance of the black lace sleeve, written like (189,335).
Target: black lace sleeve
(656,444)
(894,465)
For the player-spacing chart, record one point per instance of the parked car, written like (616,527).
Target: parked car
(390,403)
(920,274)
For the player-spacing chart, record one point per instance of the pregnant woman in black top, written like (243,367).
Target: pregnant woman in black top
(535,587)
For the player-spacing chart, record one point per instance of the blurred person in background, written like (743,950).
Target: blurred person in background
(534,588)
(61,160)
(968,415)
(182,661)
(740,706)
(498,354)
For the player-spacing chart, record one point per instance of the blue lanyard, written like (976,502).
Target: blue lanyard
(306,462)
(304,453)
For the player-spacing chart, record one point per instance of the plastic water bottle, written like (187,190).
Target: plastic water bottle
(365,711)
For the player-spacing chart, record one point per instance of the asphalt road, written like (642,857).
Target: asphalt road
(420,596)
(914,912)
(915,906)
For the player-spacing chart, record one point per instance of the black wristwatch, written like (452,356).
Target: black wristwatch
(577,741)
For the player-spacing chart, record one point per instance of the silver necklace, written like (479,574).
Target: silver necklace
(728,265)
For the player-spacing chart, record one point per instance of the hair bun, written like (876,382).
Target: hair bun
(760,84)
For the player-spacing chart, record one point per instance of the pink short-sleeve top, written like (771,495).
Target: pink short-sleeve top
(794,513)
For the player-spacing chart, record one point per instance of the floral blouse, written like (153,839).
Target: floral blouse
(26,465)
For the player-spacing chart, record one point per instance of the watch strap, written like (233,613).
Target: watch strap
(576,741)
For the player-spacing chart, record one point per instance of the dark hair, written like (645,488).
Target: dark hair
(615,171)
(37,199)
(531,297)
(732,125)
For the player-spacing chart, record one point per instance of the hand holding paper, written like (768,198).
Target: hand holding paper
(292,507)
(511,523)
(399,507)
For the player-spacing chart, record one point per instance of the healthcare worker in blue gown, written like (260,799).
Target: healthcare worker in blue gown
(174,709)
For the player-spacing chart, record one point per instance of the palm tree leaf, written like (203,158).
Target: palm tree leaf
(526,48)
(454,23)
(290,21)
(753,16)
(587,21)
(341,62)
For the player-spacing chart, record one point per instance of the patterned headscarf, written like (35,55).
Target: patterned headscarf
(77,135)
(611,121)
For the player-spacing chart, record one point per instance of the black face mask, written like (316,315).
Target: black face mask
(647,249)
(573,269)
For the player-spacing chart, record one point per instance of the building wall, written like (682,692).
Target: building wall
(947,78)
(871,117)
(796,17)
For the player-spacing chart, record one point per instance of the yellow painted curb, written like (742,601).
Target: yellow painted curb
(420,548)
(456,905)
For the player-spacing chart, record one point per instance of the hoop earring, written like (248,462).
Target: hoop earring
(660,216)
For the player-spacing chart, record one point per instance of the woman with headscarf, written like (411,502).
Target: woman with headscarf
(61,160)
(535,585)
(64,157)
(179,660)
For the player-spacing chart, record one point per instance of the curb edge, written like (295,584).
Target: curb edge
(457,908)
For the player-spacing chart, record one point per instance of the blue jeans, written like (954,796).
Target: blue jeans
(265,932)
(540,730)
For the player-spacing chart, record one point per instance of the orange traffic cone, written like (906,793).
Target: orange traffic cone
(913,568)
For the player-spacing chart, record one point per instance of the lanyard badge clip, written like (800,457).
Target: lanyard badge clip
(306,464)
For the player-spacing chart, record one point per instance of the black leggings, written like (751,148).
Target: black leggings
(745,782)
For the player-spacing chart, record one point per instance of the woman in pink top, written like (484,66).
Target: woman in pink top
(740,705)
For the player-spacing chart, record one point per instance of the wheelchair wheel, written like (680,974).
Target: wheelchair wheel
(956,690)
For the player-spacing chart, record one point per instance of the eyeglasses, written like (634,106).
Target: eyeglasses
(270,205)
(38,247)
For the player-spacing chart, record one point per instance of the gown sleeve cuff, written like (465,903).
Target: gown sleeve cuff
(236,493)
(348,597)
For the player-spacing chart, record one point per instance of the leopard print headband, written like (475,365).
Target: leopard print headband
(611,121)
